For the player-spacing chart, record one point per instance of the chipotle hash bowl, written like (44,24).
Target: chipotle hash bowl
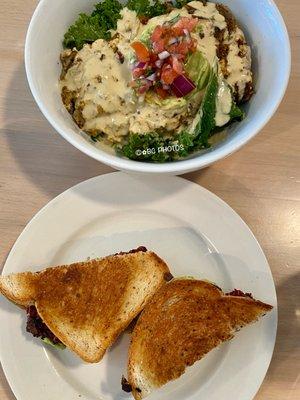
(157,87)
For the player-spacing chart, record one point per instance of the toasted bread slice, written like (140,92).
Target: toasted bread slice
(182,322)
(87,305)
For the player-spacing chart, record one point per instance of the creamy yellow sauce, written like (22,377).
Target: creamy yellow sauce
(223,104)
(210,12)
(101,82)
(128,28)
(239,68)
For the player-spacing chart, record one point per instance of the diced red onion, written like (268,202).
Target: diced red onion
(172,41)
(158,63)
(187,33)
(176,91)
(145,85)
(141,64)
(163,55)
(166,87)
(182,86)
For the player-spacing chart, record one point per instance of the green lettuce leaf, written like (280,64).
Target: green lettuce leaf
(59,346)
(236,113)
(207,111)
(198,69)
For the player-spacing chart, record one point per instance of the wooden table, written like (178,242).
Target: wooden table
(261,182)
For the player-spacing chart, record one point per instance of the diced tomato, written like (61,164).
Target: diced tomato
(157,33)
(137,72)
(162,92)
(143,89)
(180,57)
(153,58)
(168,74)
(141,51)
(173,38)
(186,23)
(177,65)
(172,48)
(159,46)
(192,23)
(177,31)
(182,48)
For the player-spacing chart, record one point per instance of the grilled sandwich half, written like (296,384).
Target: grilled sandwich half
(86,305)
(182,322)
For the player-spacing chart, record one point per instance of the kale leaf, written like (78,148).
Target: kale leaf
(108,13)
(139,6)
(143,8)
(148,143)
(88,28)
(157,148)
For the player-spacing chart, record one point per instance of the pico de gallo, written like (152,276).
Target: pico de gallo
(160,66)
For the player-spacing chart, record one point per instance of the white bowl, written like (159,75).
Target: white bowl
(264,29)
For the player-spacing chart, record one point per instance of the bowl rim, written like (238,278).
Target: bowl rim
(174,167)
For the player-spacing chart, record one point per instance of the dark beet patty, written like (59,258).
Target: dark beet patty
(37,328)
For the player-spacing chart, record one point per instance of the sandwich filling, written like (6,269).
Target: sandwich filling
(239,293)
(38,328)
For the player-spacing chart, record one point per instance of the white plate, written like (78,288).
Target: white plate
(194,231)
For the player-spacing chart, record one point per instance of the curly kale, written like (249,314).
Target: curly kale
(148,9)
(88,28)
(153,147)
(108,13)
(143,8)
(144,147)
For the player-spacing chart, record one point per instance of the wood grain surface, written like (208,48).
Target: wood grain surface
(260,182)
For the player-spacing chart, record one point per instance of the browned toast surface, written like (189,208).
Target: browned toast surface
(183,322)
(88,304)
